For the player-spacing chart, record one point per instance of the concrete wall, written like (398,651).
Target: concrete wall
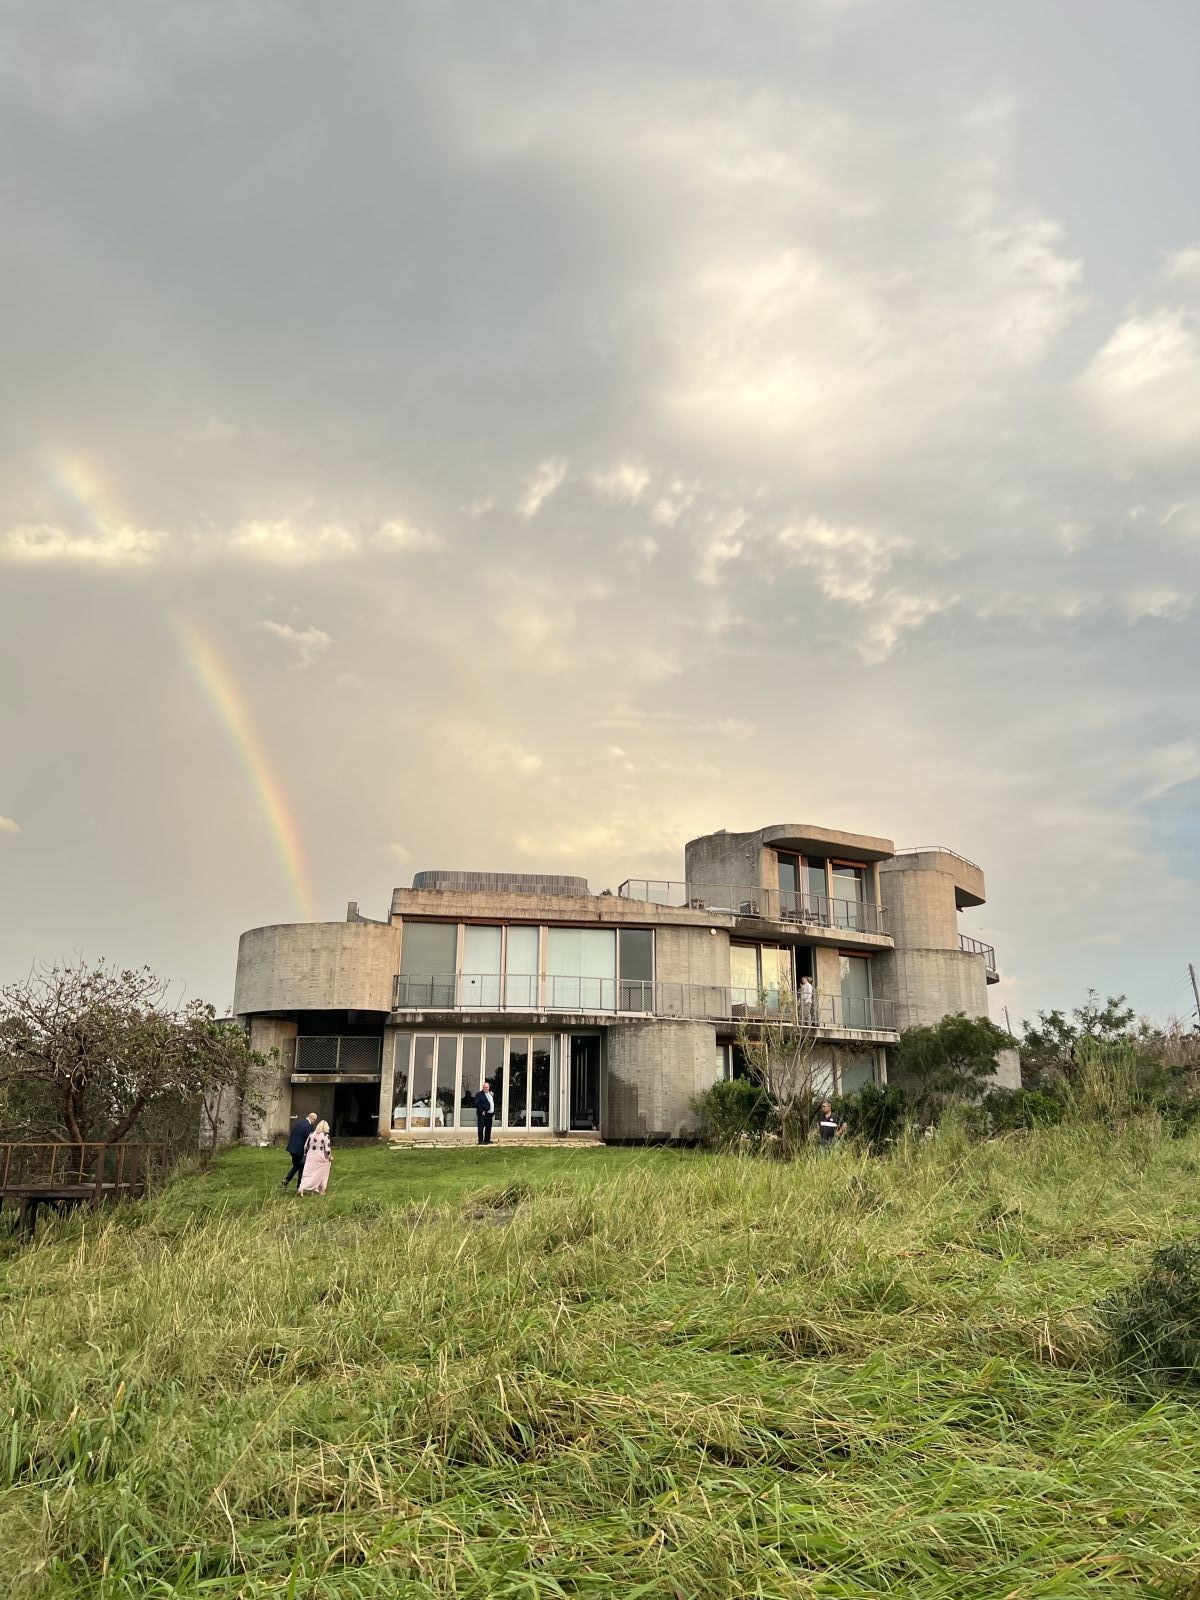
(317,966)
(275,1091)
(653,1069)
(692,955)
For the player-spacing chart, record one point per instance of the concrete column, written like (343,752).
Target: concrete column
(274,1037)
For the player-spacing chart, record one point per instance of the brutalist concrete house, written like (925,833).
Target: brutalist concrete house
(600,1016)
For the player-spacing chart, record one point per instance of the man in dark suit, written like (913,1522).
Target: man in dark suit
(485,1110)
(297,1139)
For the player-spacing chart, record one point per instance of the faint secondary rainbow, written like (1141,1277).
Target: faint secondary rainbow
(234,710)
(81,483)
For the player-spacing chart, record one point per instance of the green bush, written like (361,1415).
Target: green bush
(1154,1325)
(735,1111)
(1009,1110)
(876,1114)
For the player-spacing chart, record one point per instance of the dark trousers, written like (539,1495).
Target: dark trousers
(484,1134)
(297,1167)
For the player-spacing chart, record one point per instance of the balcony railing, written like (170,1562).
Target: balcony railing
(976,947)
(348,1053)
(635,997)
(776,905)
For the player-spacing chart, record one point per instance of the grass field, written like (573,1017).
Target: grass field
(603,1373)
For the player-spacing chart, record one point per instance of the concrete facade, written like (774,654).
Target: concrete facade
(605,1015)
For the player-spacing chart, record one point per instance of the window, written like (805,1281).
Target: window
(481,964)
(437,1077)
(521,969)
(724,1060)
(849,895)
(636,947)
(816,892)
(758,973)
(428,957)
(855,1071)
(581,969)
(788,867)
(855,1005)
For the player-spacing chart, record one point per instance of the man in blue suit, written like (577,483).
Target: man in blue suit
(297,1139)
(485,1110)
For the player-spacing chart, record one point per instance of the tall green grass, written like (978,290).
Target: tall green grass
(603,1374)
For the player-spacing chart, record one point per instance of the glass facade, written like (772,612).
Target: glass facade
(437,1076)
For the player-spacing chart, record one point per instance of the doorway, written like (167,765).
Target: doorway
(355,1111)
(585,1083)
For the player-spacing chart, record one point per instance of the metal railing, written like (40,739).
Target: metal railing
(940,850)
(358,1054)
(100,1168)
(636,997)
(976,947)
(776,905)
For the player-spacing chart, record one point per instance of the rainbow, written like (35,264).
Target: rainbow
(81,483)
(232,707)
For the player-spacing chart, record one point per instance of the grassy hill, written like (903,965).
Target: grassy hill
(602,1373)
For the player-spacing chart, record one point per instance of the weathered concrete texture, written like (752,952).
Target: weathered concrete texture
(563,910)
(693,954)
(928,985)
(275,1037)
(965,877)
(317,966)
(653,1071)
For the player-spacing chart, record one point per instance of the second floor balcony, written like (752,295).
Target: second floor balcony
(976,947)
(777,905)
(635,998)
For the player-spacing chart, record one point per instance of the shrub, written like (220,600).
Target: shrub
(1009,1110)
(734,1111)
(876,1114)
(1154,1325)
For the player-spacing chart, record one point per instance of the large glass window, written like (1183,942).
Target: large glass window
(849,894)
(855,974)
(472,1079)
(428,953)
(759,974)
(445,1094)
(636,956)
(816,892)
(480,985)
(788,867)
(516,1106)
(494,1073)
(420,1110)
(743,974)
(521,969)
(855,1071)
(539,1106)
(581,969)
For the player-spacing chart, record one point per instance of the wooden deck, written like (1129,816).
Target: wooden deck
(62,1176)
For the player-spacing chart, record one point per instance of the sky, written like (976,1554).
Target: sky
(530,436)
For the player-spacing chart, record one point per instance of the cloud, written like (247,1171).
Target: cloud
(7,825)
(47,545)
(286,543)
(400,535)
(540,485)
(307,643)
(623,484)
(1143,385)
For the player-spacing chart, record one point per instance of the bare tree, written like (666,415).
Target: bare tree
(86,1049)
(777,1047)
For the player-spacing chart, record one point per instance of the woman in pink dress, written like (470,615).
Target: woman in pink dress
(317,1159)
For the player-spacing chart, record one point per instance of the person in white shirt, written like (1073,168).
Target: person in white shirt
(807,1000)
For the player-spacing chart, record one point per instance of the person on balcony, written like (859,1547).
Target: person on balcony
(297,1140)
(318,1157)
(808,1000)
(485,1111)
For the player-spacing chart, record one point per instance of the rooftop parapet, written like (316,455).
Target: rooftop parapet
(500,882)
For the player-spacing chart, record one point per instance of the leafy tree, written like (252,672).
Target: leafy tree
(1049,1047)
(87,1051)
(953,1059)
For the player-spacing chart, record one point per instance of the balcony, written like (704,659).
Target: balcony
(976,947)
(635,998)
(775,905)
(346,1056)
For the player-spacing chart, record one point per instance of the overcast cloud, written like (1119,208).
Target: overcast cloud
(577,427)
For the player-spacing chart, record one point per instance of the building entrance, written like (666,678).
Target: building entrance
(355,1111)
(585,1083)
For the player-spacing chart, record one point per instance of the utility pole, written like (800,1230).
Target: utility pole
(1195,990)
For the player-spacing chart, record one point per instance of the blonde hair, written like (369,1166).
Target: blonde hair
(321,1127)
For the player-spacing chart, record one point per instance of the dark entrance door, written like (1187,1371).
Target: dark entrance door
(355,1110)
(585,1083)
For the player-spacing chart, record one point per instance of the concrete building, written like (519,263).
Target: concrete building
(603,1015)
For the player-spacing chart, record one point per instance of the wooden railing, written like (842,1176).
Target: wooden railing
(92,1169)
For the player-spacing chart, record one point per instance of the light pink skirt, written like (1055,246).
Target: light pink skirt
(315,1175)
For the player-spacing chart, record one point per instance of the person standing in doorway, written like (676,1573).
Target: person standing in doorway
(318,1157)
(807,1000)
(485,1111)
(297,1140)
